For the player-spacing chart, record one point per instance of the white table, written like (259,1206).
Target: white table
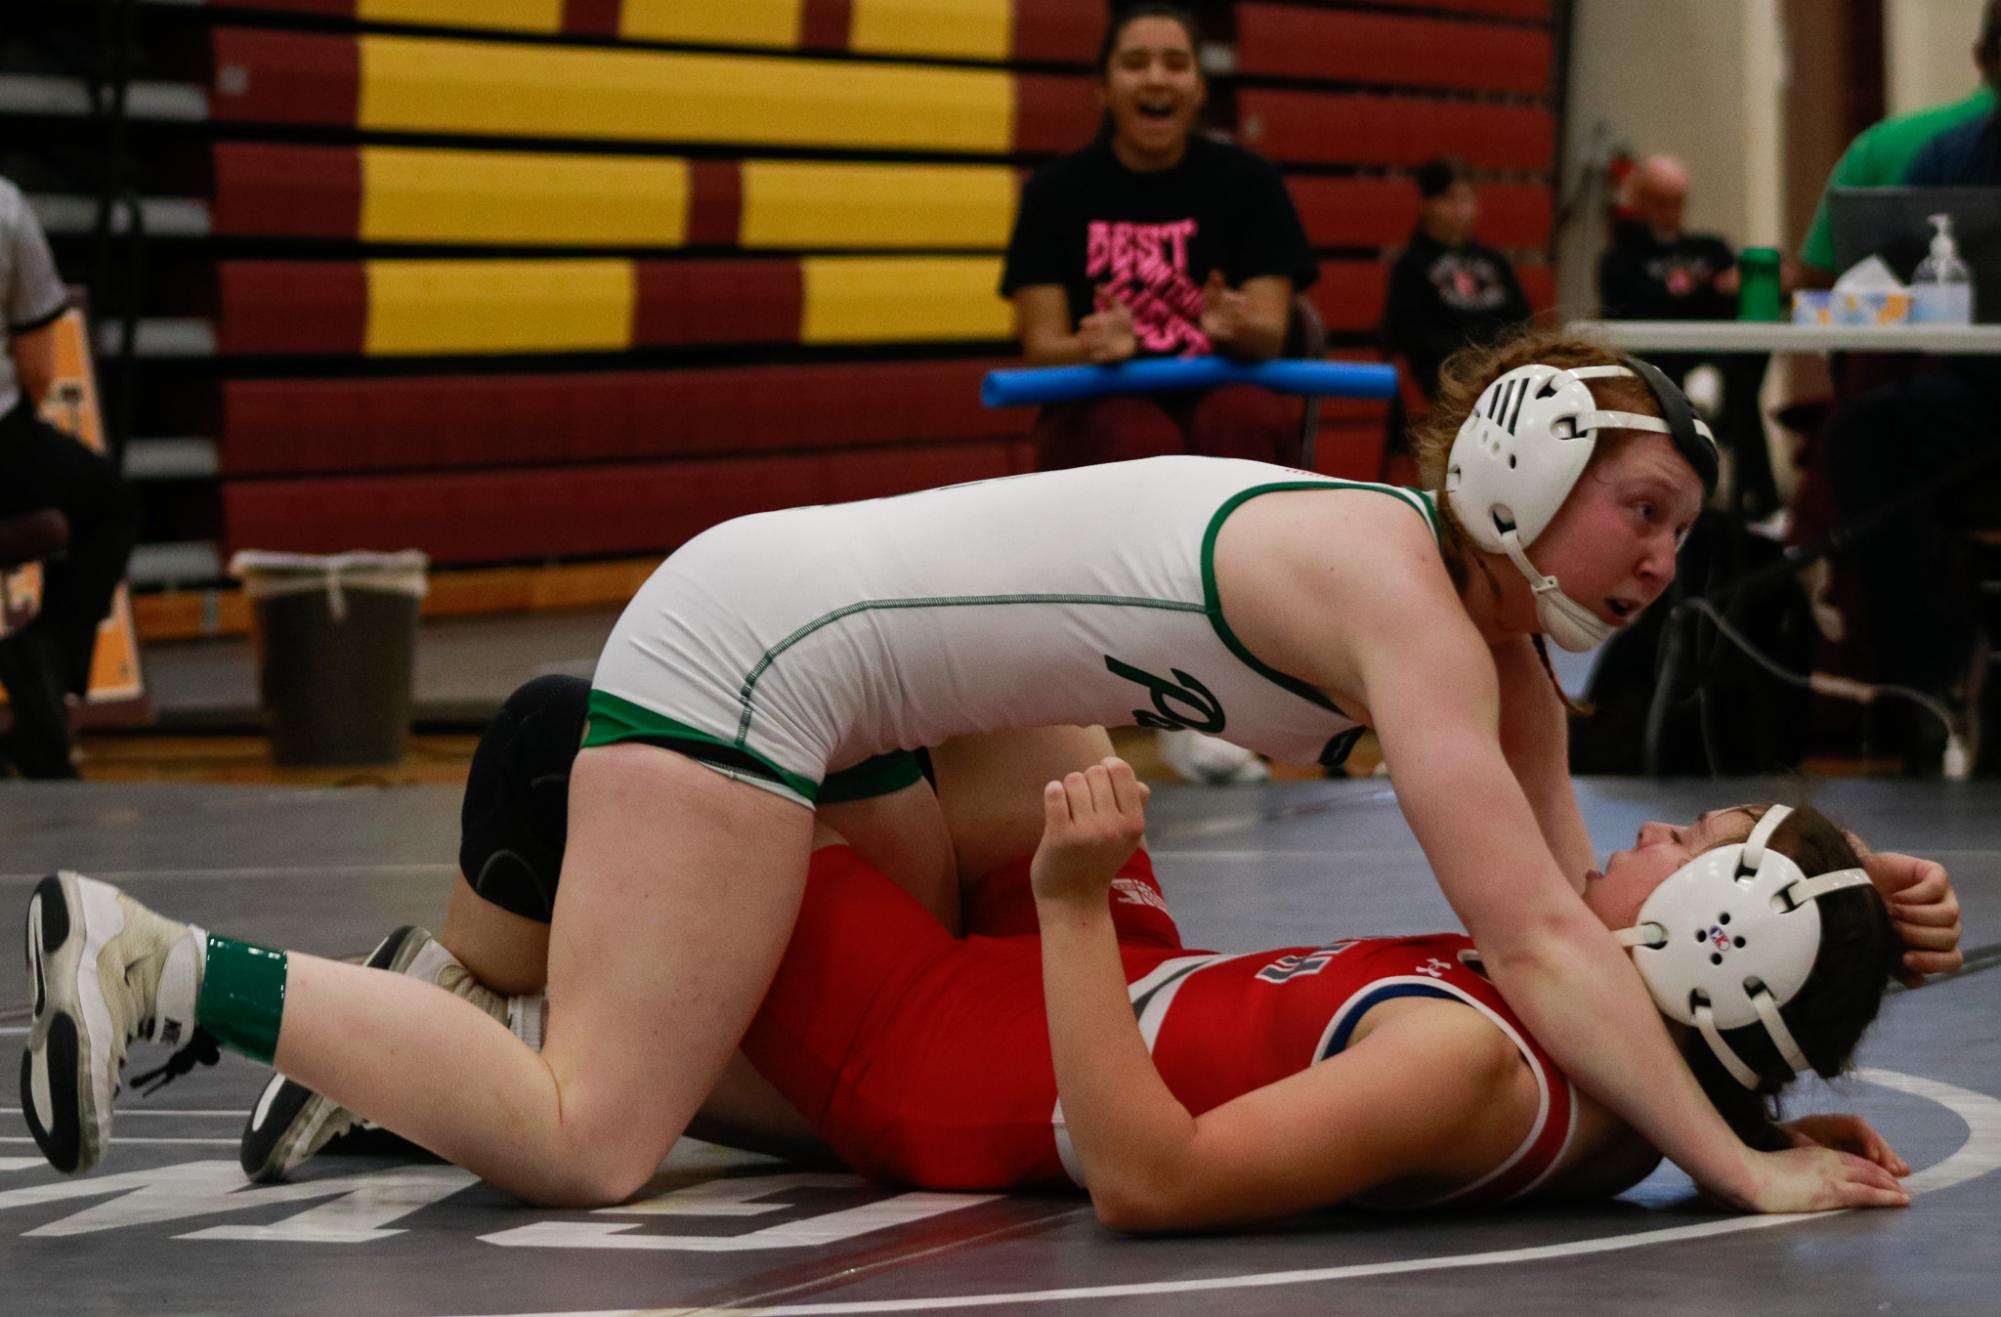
(1778,336)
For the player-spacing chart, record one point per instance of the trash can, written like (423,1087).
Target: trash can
(335,638)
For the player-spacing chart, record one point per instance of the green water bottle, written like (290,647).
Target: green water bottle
(1758,284)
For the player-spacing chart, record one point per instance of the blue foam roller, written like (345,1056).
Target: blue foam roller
(1047,384)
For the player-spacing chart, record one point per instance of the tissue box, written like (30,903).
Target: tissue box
(1872,308)
(1813,307)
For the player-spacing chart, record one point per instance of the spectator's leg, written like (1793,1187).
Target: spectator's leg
(1243,420)
(1110,429)
(45,468)
(42,468)
(31,670)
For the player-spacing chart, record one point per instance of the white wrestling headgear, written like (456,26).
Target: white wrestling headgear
(1521,450)
(1730,937)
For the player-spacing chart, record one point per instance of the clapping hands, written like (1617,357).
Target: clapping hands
(1106,335)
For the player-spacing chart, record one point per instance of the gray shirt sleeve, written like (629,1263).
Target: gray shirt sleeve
(31,292)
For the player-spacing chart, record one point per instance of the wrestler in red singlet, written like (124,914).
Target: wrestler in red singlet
(924,1058)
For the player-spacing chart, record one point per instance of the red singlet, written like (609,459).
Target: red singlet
(924,1058)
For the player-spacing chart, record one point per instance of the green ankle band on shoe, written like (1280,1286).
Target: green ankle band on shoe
(242,997)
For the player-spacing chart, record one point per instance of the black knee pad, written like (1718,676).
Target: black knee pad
(516,813)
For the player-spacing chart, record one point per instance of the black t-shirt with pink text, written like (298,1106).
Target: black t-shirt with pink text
(1150,239)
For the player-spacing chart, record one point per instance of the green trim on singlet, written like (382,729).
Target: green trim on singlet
(1212,598)
(1426,504)
(613,719)
(877,776)
(747,696)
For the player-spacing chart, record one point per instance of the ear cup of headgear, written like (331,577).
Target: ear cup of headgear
(1518,453)
(1731,937)
(1723,928)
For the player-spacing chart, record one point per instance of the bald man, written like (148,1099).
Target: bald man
(1656,270)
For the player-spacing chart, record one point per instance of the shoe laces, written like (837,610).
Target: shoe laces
(201,1049)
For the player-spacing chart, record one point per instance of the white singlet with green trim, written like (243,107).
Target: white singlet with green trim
(787,644)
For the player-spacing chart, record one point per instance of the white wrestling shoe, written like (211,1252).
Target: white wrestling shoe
(291,1122)
(1195,757)
(104,971)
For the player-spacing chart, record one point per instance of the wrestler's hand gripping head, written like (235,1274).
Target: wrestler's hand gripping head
(1521,451)
(1730,937)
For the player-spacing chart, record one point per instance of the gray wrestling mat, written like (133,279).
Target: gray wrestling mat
(168,1226)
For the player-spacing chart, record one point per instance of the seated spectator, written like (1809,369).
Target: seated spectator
(1881,155)
(1912,434)
(1446,290)
(1655,269)
(1968,154)
(47,662)
(1157,241)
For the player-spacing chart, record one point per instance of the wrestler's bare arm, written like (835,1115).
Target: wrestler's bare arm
(1433,1094)
(1535,737)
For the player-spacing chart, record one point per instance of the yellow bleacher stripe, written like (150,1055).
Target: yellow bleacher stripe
(418,85)
(517,197)
(902,206)
(970,29)
(873,299)
(417,307)
(501,15)
(723,22)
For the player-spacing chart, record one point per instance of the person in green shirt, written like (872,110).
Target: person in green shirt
(1880,154)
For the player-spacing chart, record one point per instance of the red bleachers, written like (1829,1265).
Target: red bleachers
(274,308)
(1380,212)
(1349,294)
(1051,31)
(1519,215)
(1057,31)
(290,306)
(284,192)
(1538,282)
(1287,41)
(284,77)
(1537,9)
(522,461)
(1053,113)
(293,427)
(1354,212)
(1364,129)
(497,516)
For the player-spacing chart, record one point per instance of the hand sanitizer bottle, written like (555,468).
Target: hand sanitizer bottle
(1942,287)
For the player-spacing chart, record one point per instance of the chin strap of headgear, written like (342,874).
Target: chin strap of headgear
(1570,624)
